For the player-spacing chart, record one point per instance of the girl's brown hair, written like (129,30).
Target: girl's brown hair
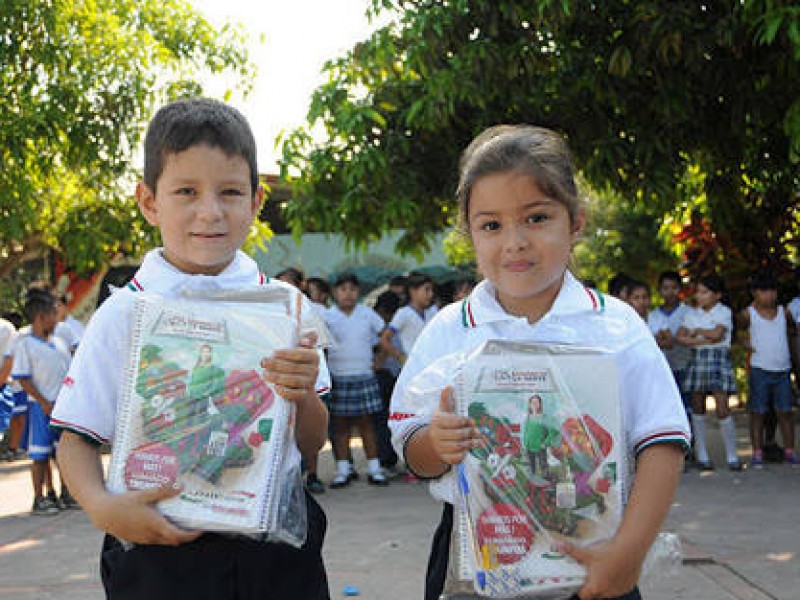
(535,151)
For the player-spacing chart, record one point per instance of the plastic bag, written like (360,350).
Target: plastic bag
(553,466)
(195,409)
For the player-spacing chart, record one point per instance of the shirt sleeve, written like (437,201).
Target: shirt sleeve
(724,317)
(652,408)
(87,403)
(22,360)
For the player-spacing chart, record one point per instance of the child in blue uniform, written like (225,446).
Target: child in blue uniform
(519,202)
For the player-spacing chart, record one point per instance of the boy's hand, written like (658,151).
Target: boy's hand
(452,436)
(294,371)
(611,570)
(133,517)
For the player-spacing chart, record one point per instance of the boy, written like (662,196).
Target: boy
(409,320)
(664,323)
(770,327)
(40,362)
(201,190)
(639,298)
(356,395)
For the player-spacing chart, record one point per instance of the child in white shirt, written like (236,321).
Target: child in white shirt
(409,320)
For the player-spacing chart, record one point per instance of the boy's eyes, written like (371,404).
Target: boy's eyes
(190,191)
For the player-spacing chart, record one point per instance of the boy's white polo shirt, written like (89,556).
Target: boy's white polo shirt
(87,403)
(43,362)
(699,318)
(651,404)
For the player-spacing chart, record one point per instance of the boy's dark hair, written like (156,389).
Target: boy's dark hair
(713,282)
(387,301)
(14,318)
(670,276)
(296,275)
(417,280)
(619,282)
(38,302)
(321,284)
(763,280)
(190,122)
(343,278)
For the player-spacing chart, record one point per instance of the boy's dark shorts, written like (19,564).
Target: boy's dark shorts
(216,567)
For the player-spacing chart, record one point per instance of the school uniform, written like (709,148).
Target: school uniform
(20,398)
(710,369)
(214,566)
(355,388)
(679,355)
(407,323)
(770,363)
(651,406)
(44,363)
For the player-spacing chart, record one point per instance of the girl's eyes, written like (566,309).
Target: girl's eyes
(537,218)
(532,219)
(490,226)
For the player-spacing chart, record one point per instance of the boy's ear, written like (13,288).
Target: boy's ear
(257,201)
(146,200)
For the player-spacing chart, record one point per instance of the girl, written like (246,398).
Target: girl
(519,203)
(707,330)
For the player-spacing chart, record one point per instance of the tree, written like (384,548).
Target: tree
(646,92)
(79,79)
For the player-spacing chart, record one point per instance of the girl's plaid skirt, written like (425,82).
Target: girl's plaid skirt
(710,371)
(355,395)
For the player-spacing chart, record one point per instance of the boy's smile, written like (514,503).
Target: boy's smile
(203,205)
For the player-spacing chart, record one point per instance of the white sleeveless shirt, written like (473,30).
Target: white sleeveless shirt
(769,341)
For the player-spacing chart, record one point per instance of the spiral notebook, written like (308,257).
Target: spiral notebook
(194,409)
(552,467)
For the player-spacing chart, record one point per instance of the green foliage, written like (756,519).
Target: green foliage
(80,79)
(644,92)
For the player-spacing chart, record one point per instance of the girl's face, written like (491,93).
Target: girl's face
(522,241)
(706,298)
(422,296)
(316,294)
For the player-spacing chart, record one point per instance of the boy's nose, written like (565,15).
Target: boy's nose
(209,207)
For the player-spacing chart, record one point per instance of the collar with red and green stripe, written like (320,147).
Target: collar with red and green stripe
(135,286)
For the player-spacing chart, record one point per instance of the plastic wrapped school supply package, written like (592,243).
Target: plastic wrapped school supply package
(552,466)
(195,411)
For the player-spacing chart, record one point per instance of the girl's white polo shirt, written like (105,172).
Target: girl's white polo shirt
(354,336)
(698,318)
(651,405)
(408,323)
(87,404)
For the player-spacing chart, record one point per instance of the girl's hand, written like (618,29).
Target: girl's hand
(133,517)
(294,371)
(612,571)
(452,436)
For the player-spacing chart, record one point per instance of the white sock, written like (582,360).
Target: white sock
(343,467)
(699,425)
(374,466)
(727,428)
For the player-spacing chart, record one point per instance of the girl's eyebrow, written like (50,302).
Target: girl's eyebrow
(538,203)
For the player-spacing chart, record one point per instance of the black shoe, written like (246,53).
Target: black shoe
(736,466)
(314,485)
(68,502)
(44,507)
(341,480)
(377,479)
(705,465)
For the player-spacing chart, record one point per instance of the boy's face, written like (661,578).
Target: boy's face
(203,206)
(639,299)
(422,296)
(767,298)
(346,295)
(669,290)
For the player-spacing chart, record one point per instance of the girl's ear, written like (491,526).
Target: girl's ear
(578,223)
(146,199)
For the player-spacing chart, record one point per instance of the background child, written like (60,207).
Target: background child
(664,323)
(319,292)
(355,396)
(12,440)
(201,190)
(639,297)
(707,330)
(519,202)
(409,320)
(387,368)
(41,361)
(769,328)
